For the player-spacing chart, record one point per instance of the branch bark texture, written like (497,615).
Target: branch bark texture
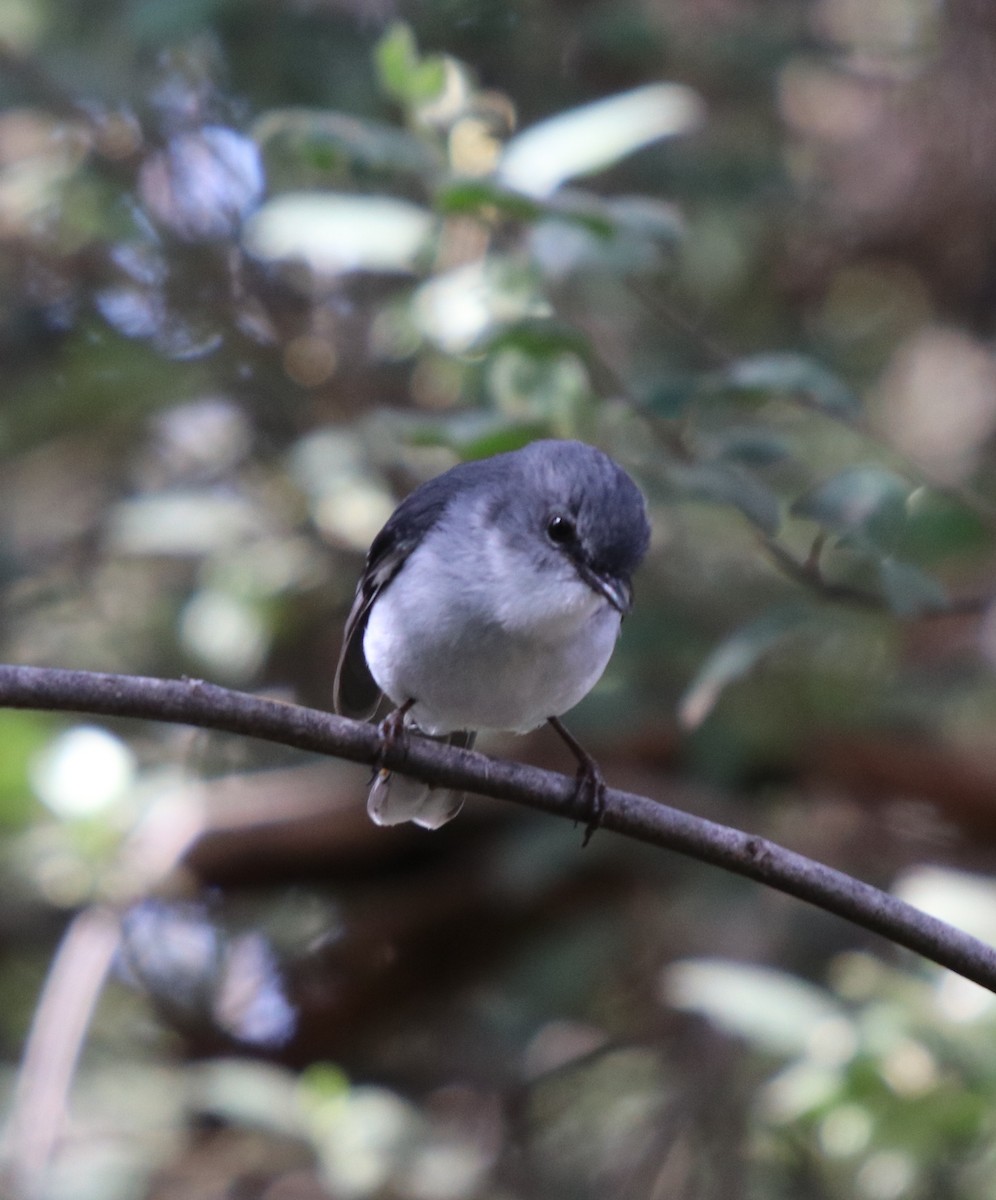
(205,705)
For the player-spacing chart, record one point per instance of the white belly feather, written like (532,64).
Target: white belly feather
(493,645)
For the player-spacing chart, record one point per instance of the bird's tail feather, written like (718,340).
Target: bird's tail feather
(395,799)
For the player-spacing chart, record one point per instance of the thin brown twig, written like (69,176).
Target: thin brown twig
(193,702)
(809,573)
(812,563)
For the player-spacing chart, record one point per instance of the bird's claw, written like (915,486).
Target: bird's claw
(590,797)
(393,734)
(589,791)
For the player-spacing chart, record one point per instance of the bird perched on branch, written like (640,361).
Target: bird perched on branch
(492,599)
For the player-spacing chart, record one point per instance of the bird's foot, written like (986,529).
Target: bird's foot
(393,734)
(590,797)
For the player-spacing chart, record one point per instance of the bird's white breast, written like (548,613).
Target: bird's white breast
(482,638)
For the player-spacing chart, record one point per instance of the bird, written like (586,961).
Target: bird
(492,599)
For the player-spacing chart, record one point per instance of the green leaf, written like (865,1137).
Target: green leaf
(771,1009)
(395,57)
(910,591)
(336,234)
(866,500)
(584,209)
(583,233)
(170,24)
(733,658)
(669,396)
(464,197)
(795,375)
(428,80)
(476,434)
(594,136)
(541,337)
(941,527)
(323,1082)
(648,218)
(723,483)
(336,144)
(749,446)
(476,196)
(498,441)
(403,74)
(256,1094)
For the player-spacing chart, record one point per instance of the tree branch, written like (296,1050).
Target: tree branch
(809,573)
(205,705)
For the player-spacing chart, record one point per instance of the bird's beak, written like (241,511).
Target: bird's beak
(618,592)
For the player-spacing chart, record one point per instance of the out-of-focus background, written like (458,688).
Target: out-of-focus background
(267,266)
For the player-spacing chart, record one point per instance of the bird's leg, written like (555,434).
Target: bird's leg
(392,730)
(590,792)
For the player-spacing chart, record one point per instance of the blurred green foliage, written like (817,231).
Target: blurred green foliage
(264,268)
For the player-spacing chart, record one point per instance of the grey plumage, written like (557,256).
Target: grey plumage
(492,597)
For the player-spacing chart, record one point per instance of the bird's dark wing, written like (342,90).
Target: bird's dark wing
(356,693)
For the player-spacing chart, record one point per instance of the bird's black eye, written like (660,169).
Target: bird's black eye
(560,530)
